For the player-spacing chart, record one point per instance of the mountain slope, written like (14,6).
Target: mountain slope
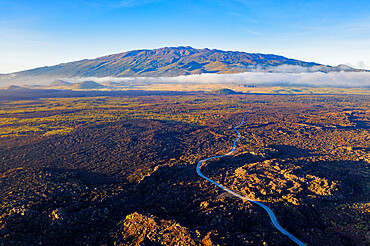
(60,82)
(224,91)
(168,61)
(87,85)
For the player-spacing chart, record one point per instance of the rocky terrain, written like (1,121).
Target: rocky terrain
(120,170)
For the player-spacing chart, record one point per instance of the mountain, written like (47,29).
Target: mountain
(15,87)
(87,85)
(224,91)
(168,61)
(59,82)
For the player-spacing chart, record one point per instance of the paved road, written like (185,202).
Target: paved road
(268,210)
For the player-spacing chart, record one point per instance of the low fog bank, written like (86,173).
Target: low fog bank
(310,79)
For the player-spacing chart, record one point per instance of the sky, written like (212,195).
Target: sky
(43,33)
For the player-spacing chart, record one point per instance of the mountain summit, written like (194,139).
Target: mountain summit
(168,61)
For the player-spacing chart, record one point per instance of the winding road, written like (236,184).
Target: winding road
(268,210)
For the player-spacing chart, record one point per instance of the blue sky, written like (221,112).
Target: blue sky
(43,32)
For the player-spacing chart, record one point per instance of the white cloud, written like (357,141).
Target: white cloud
(319,79)
(361,64)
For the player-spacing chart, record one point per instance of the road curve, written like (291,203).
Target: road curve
(268,210)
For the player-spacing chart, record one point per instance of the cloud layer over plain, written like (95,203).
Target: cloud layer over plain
(315,79)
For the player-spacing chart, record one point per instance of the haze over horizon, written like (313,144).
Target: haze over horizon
(44,33)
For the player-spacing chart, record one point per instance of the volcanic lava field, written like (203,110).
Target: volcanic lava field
(121,169)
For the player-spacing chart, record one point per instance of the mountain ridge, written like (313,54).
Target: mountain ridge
(162,62)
